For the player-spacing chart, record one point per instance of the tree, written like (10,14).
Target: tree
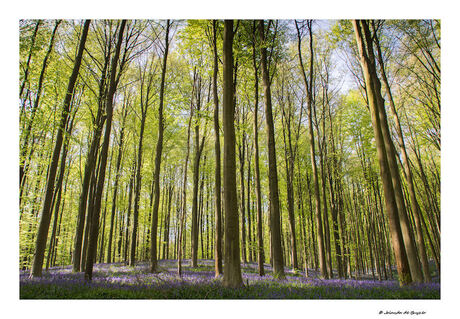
(373,92)
(260,239)
(42,234)
(309,87)
(198,145)
(159,149)
(278,266)
(217,179)
(144,104)
(94,230)
(232,268)
(405,158)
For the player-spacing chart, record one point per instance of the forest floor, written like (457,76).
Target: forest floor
(119,281)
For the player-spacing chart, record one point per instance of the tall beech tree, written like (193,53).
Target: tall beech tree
(217,178)
(159,150)
(260,239)
(405,159)
(117,179)
(94,230)
(144,105)
(90,165)
(232,268)
(374,97)
(198,147)
(275,224)
(309,88)
(43,229)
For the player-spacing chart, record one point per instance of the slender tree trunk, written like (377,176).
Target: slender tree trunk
(308,86)
(167,220)
(242,153)
(249,207)
(196,175)
(326,229)
(117,179)
(217,179)
(137,193)
(275,224)
(89,168)
(390,200)
(406,165)
(260,238)
(57,199)
(43,229)
(92,247)
(180,249)
(232,270)
(159,150)
(128,213)
(411,251)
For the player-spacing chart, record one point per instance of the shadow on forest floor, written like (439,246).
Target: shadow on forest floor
(119,281)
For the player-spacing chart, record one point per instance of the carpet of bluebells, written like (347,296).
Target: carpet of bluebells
(118,281)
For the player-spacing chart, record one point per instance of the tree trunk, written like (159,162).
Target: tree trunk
(372,88)
(117,179)
(217,179)
(184,197)
(159,149)
(308,87)
(128,212)
(167,220)
(260,238)
(92,247)
(241,155)
(89,168)
(196,174)
(57,199)
(275,224)
(43,229)
(144,107)
(232,270)
(406,165)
